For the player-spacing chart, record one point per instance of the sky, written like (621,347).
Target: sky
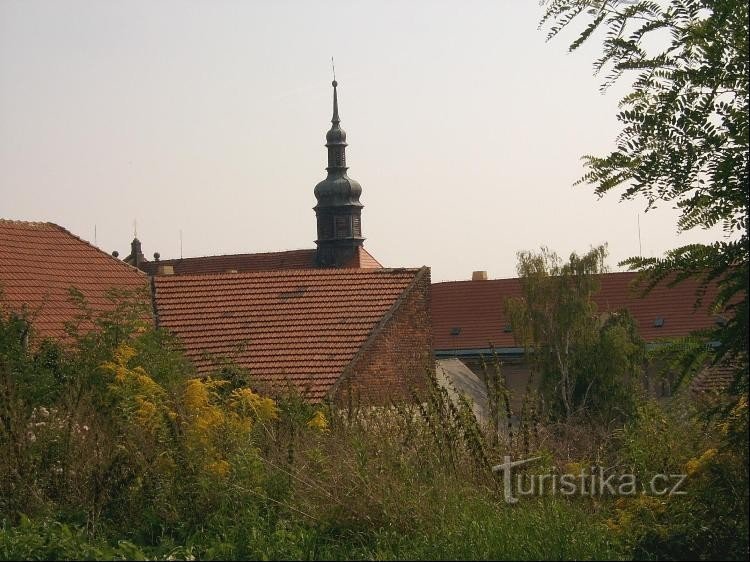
(202,124)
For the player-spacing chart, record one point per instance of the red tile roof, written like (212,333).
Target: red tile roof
(364,260)
(714,379)
(477,309)
(241,263)
(298,326)
(40,261)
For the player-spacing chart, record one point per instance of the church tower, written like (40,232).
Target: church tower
(338,210)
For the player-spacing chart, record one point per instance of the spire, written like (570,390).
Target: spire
(335,119)
(136,257)
(336,136)
(338,210)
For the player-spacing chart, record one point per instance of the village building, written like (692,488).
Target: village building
(351,335)
(41,262)
(338,212)
(330,323)
(470,324)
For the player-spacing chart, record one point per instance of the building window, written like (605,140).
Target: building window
(357,226)
(343,229)
(325,228)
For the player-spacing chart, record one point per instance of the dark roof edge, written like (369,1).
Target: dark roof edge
(347,372)
(444,353)
(459,281)
(154,306)
(182,277)
(173,261)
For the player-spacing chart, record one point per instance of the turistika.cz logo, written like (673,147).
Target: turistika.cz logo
(596,482)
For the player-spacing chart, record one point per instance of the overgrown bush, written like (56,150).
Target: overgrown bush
(113,448)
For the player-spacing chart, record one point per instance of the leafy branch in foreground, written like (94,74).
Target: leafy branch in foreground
(684,137)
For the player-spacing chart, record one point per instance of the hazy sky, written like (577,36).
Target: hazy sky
(465,128)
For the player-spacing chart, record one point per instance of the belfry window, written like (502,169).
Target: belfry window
(343,229)
(325,228)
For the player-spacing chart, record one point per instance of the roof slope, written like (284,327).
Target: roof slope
(41,261)
(242,263)
(298,326)
(477,308)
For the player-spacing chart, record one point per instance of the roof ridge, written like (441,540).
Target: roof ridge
(288,272)
(607,273)
(69,233)
(238,255)
(28,223)
(90,245)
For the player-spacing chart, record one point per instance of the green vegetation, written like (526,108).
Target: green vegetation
(590,363)
(111,448)
(685,138)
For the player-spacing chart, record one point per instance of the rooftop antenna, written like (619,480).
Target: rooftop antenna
(640,247)
(180,243)
(94,234)
(333,68)
(135,228)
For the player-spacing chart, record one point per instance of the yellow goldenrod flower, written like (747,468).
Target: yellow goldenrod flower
(318,421)
(220,468)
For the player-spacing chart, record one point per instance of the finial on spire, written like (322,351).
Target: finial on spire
(335,119)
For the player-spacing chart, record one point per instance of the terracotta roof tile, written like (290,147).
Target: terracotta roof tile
(364,260)
(41,261)
(714,379)
(268,261)
(298,326)
(476,310)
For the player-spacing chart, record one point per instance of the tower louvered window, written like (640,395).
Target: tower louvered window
(342,227)
(356,226)
(325,228)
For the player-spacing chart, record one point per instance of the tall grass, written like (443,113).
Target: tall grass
(111,448)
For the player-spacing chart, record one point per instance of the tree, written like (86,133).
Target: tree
(589,362)
(684,136)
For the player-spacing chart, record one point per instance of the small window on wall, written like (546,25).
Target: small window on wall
(342,227)
(357,226)
(325,228)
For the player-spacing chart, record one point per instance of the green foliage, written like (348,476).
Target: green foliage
(660,439)
(684,137)
(52,540)
(117,451)
(709,521)
(589,363)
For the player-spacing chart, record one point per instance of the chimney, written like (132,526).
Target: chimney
(165,269)
(479,276)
